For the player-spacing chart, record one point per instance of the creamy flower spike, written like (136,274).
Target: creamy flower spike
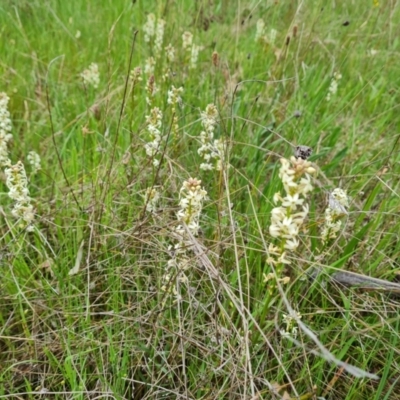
(91,76)
(174,100)
(334,85)
(191,203)
(149,66)
(191,197)
(291,210)
(159,37)
(174,97)
(136,75)
(170,52)
(149,27)
(154,124)
(272,35)
(212,151)
(16,179)
(34,160)
(187,40)
(17,183)
(260,30)
(194,55)
(5,129)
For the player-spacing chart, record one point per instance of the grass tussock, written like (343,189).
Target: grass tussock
(200,200)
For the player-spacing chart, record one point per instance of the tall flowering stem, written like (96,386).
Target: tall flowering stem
(17,183)
(154,129)
(333,87)
(174,100)
(191,198)
(149,27)
(5,129)
(291,210)
(191,202)
(211,150)
(16,179)
(159,37)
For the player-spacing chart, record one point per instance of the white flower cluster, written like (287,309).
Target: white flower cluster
(338,202)
(261,36)
(174,99)
(149,66)
(149,27)
(5,129)
(194,55)
(136,75)
(287,218)
(290,325)
(91,75)
(191,203)
(17,183)
(191,200)
(272,36)
(210,149)
(334,85)
(34,160)
(16,179)
(191,48)
(170,52)
(151,199)
(270,276)
(159,37)
(154,124)
(260,30)
(187,40)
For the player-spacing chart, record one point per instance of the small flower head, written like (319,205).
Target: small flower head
(149,66)
(290,325)
(136,75)
(194,55)
(91,76)
(174,97)
(187,40)
(260,29)
(149,27)
(170,52)
(154,123)
(191,203)
(272,35)
(334,85)
(212,151)
(34,160)
(151,199)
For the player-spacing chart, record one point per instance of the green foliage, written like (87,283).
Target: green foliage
(89,308)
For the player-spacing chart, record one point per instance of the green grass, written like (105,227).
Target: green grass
(110,330)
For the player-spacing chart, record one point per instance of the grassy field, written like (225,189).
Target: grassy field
(159,238)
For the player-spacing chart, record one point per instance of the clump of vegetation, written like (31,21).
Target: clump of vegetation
(200,200)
